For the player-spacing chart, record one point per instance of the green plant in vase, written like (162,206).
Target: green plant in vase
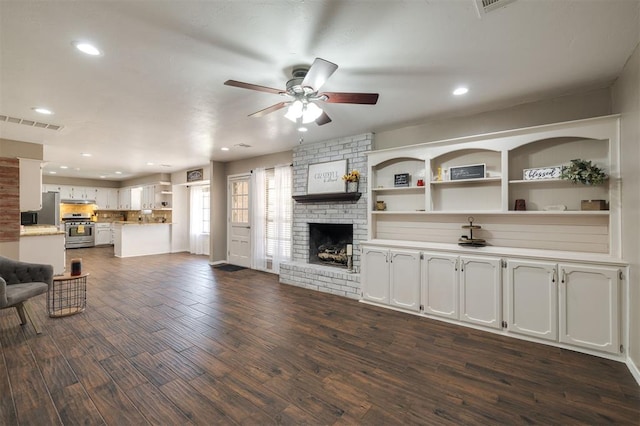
(584,172)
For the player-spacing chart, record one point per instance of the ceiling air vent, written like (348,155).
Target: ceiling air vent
(30,123)
(486,6)
(242,145)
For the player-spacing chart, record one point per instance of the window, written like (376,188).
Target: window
(278,215)
(240,202)
(206,211)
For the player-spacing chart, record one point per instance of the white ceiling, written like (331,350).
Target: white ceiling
(157,93)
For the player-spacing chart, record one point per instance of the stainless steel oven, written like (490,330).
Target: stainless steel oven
(79,231)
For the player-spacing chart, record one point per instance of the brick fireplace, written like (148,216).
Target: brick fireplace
(323,277)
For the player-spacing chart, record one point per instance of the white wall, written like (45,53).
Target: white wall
(626,101)
(218,194)
(594,103)
(180,219)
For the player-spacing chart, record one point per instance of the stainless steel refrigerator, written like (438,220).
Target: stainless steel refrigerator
(50,212)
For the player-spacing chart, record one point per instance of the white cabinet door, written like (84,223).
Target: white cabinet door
(136,198)
(532,298)
(87,193)
(148,197)
(124,199)
(30,172)
(440,284)
(107,198)
(112,198)
(103,235)
(66,192)
(480,287)
(589,307)
(404,280)
(102,198)
(375,274)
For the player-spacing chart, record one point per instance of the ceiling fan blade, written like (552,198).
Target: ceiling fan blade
(319,73)
(250,86)
(351,98)
(323,119)
(270,109)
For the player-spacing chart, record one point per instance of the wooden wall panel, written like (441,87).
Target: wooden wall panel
(589,234)
(9,199)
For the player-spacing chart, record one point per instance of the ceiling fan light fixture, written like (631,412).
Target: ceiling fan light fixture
(302,129)
(310,113)
(295,110)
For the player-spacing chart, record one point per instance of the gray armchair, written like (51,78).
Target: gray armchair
(20,281)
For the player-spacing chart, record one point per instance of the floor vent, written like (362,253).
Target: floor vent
(30,123)
(486,6)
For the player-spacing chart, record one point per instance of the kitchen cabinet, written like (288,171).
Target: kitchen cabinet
(124,199)
(440,284)
(375,274)
(136,198)
(531,292)
(392,277)
(465,288)
(589,306)
(103,234)
(30,173)
(480,291)
(148,197)
(404,279)
(68,192)
(107,198)
(570,303)
(44,248)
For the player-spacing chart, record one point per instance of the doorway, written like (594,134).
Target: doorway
(238,213)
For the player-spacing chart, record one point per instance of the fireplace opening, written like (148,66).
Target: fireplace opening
(328,243)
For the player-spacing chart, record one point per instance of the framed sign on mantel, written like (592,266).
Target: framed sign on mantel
(326,177)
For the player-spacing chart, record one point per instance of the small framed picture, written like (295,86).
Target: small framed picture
(401,179)
(195,175)
(472,171)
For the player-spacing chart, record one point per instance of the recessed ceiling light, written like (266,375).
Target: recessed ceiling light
(64,167)
(224,148)
(42,110)
(87,48)
(85,154)
(302,129)
(118,173)
(149,164)
(102,176)
(52,172)
(460,91)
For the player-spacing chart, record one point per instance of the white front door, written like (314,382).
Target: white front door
(239,234)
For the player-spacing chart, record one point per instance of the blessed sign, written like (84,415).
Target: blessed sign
(542,173)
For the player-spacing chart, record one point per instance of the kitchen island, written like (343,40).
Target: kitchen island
(43,244)
(141,238)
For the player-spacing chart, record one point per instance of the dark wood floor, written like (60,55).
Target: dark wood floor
(169,340)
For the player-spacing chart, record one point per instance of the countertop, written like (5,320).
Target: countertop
(124,222)
(35,230)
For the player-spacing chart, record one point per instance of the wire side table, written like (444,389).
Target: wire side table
(68,295)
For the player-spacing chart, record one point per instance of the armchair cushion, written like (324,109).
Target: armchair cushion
(20,281)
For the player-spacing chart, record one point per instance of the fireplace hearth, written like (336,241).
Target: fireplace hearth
(328,243)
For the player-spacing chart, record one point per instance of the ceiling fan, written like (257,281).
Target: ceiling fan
(303,89)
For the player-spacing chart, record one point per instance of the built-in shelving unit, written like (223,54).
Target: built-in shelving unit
(553,206)
(552,273)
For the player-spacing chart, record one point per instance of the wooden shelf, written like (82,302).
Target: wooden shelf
(461,181)
(399,189)
(332,196)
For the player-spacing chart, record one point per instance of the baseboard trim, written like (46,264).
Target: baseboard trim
(633,368)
